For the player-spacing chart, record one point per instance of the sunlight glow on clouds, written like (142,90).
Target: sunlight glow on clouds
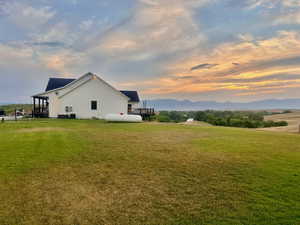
(242,67)
(158,47)
(156,28)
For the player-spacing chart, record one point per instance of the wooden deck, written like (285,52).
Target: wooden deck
(146,113)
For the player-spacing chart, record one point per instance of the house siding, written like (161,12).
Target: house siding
(108,100)
(79,95)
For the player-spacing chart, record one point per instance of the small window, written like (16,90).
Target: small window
(69,109)
(129,108)
(94,105)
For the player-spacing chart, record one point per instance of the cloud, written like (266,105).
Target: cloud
(52,44)
(262,3)
(163,48)
(270,4)
(86,24)
(288,18)
(10,55)
(203,66)
(277,11)
(266,67)
(156,28)
(291,3)
(59,33)
(26,16)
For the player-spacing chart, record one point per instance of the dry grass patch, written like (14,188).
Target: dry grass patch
(142,193)
(41,129)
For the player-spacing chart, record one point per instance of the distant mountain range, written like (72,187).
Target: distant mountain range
(186,105)
(5,103)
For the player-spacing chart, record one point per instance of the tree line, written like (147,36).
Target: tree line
(244,119)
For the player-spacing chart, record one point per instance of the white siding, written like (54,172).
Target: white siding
(53,104)
(54,101)
(109,100)
(134,105)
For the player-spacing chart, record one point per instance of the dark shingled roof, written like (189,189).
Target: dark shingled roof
(133,95)
(55,83)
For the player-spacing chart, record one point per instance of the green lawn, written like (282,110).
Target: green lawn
(72,172)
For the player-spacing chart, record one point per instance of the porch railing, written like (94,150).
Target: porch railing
(146,113)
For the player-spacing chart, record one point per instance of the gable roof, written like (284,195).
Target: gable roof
(55,83)
(132,95)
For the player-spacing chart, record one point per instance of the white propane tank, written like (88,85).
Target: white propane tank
(123,118)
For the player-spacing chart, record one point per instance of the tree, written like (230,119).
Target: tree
(201,116)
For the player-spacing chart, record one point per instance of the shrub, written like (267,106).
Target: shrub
(163,118)
(177,116)
(281,123)
(269,123)
(201,116)
(287,111)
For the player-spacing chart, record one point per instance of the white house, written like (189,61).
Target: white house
(86,97)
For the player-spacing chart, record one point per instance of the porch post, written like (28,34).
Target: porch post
(42,105)
(47,107)
(33,113)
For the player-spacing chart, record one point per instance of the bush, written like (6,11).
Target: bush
(163,119)
(281,124)
(236,123)
(177,116)
(200,116)
(287,111)
(269,123)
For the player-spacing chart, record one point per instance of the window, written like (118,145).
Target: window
(94,105)
(129,108)
(69,109)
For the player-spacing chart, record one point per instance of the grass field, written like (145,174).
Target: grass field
(57,172)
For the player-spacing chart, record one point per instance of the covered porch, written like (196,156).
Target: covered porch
(40,107)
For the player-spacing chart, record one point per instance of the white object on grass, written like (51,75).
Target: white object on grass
(9,118)
(123,118)
(190,120)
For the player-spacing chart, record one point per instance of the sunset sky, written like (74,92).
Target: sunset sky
(222,50)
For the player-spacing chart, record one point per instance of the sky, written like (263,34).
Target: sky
(216,50)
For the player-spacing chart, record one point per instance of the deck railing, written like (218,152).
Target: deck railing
(141,111)
(146,113)
(40,114)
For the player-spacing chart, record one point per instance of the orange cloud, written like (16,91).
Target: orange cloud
(237,67)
